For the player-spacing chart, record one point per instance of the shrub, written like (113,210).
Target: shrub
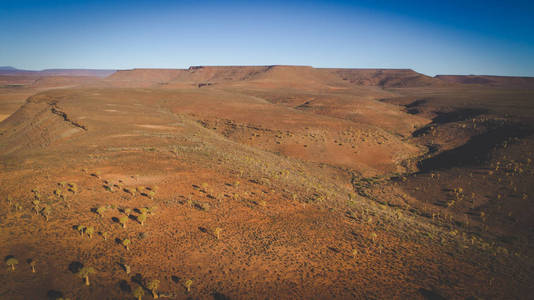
(129,191)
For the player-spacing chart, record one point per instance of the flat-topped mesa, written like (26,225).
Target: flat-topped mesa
(145,75)
(387,77)
(284,75)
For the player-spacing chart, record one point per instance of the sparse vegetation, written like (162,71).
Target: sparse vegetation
(466,224)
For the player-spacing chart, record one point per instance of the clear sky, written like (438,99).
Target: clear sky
(432,37)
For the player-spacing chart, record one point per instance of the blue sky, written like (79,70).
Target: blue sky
(432,37)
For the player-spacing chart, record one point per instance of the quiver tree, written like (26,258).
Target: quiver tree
(126,244)
(188,285)
(58,193)
(11,261)
(124,265)
(100,210)
(81,229)
(153,287)
(32,264)
(85,272)
(36,194)
(46,211)
(123,221)
(73,187)
(36,207)
(138,293)
(127,268)
(141,218)
(90,230)
(217,232)
(152,210)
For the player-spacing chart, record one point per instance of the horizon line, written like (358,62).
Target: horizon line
(11,67)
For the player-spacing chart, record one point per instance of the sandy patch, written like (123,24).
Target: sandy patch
(122,135)
(150,126)
(3,117)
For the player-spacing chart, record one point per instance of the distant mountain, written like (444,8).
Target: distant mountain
(487,80)
(8,70)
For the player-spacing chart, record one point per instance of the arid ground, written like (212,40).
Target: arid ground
(275,182)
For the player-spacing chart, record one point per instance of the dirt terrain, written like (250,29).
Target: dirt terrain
(266,182)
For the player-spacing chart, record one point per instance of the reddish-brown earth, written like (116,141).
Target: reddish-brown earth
(324,183)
